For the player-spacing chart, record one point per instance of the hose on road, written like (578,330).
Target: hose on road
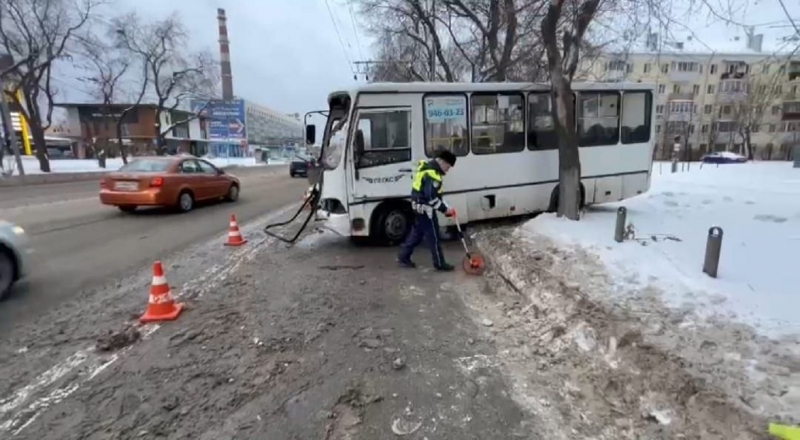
(310,201)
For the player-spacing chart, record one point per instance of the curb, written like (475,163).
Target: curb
(53,178)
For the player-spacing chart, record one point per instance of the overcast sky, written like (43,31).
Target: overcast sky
(286,53)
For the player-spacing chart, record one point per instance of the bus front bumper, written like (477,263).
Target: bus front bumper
(338,223)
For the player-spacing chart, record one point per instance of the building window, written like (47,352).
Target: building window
(726,126)
(704,128)
(726,110)
(691,128)
(659,109)
(662,88)
(646,67)
(598,119)
(765,68)
(686,66)
(541,126)
(695,90)
(778,89)
(772,128)
(658,128)
(708,108)
(676,88)
(385,137)
(665,68)
(776,110)
(446,124)
(636,117)
(710,89)
(713,69)
(498,123)
(762,89)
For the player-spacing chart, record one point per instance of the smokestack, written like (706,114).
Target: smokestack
(225,56)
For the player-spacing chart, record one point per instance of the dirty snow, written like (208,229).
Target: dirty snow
(737,334)
(31,164)
(758,207)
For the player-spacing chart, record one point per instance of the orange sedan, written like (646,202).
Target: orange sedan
(167,181)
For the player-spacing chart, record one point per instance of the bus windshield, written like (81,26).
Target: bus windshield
(333,152)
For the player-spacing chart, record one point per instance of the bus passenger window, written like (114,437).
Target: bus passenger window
(598,119)
(385,138)
(497,123)
(542,133)
(446,124)
(636,117)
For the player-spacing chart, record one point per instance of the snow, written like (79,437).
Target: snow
(758,207)
(31,164)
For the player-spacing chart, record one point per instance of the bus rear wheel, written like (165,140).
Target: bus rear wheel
(391,223)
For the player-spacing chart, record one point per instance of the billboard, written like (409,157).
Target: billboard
(225,119)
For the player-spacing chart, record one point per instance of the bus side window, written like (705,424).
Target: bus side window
(636,117)
(542,133)
(445,118)
(498,123)
(598,119)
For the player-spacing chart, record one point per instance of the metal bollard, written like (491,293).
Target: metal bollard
(674,167)
(713,248)
(619,230)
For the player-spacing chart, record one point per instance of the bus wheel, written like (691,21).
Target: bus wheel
(554,199)
(391,223)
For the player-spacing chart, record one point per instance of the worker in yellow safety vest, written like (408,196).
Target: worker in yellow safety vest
(426,191)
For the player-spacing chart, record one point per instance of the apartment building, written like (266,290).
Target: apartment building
(713,100)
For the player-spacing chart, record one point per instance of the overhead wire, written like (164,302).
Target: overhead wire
(339,36)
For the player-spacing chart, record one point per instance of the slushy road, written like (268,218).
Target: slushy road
(80,244)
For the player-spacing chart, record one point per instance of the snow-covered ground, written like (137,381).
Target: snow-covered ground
(31,164)
(758,207)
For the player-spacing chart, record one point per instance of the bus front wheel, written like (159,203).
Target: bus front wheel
(391,223)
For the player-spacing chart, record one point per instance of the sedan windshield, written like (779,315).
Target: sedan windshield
(146,166)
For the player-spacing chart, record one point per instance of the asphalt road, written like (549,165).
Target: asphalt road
(80,244)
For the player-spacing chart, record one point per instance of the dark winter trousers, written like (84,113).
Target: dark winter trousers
(425,228)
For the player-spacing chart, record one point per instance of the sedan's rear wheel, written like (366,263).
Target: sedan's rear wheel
(185,201)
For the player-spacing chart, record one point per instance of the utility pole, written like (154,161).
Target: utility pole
(6,61)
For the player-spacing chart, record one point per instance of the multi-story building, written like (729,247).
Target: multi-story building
(713,100)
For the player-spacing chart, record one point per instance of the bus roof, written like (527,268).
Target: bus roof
(431,87)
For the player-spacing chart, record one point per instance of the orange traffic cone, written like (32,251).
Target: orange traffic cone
(161,307)
(234,236)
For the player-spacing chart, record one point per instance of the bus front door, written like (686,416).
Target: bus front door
(382,155)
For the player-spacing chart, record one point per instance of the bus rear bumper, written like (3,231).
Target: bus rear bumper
(338,223)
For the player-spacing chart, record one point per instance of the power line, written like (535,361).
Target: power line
(355,30)
(339,35)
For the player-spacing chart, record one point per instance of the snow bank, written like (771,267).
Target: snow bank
(31,164)
(739,333)
(758,207)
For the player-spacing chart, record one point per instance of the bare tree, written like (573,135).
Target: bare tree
(492,40)
(175,78)
(38,33)
(571,21)
(758,94)
(106,67)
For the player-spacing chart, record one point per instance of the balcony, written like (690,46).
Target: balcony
(725,137)
(732,90)
(794,71)
(791,111)
(734,69)
(685,71)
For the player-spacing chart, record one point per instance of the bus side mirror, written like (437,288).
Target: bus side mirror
(311,134)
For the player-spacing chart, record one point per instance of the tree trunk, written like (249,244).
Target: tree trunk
(40,146)
(123,151)
(569,164)
(748,145)
(102,153)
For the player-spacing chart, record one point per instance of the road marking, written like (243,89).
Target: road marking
(96,364)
